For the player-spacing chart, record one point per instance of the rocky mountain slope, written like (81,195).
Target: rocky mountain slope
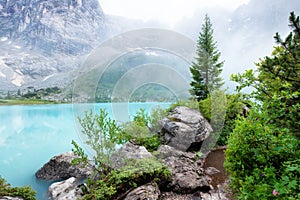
(42,41)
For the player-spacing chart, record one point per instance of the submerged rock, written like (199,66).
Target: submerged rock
(184,128)
(149,191)
(60,167)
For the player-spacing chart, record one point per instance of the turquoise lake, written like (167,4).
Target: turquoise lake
(31,135)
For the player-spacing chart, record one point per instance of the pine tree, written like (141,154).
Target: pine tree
(206,69)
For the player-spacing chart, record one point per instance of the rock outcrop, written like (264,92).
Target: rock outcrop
(66,190)
(187,173)
(60,168)
(129,151)
(149,191)
(184,129)
(191,176)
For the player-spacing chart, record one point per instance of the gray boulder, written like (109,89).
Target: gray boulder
(11,198)
(187,172)
(149,191)
(129,151)
(65,190)
(184,128)
(60,167)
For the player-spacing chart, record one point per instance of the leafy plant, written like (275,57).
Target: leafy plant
(24,192)
(102,135)
(132,175)
(277,79)
(144,128)
(257,157)
(228,107)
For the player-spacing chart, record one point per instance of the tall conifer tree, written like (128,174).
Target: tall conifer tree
(206,69)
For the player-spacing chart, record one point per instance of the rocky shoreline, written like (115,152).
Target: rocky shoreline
(192,177)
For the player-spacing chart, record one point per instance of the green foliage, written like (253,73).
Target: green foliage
(25,192)
(132,175)
(259,157)
(82,157)
(144,128)
(233,103)
(102,134)
(263,150)
(277,80)
(206,70)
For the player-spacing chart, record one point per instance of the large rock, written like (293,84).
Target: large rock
(129,151)
(60,167)
(65,190)
(149,191)
(187,173)
(184,128)
(11,198)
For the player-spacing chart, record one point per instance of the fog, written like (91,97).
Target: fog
(243,35)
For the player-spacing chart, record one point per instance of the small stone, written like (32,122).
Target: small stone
(211,171)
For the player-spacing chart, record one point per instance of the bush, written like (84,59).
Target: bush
(261,159)
(144,128)
(135,173)
(25,192)
(234,107)
(102,136)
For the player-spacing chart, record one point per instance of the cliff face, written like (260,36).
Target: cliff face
(41,41)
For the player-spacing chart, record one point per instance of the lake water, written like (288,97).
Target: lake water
(31,135)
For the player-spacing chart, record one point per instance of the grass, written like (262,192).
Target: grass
(24,101)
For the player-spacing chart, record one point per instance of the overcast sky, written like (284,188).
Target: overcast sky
(167,11)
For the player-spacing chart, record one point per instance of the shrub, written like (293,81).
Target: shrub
(25,192)
(261,159)
(144,128)
(102,136)
(233,108)
(132,175)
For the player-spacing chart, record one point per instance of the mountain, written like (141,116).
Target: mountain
(43,41)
